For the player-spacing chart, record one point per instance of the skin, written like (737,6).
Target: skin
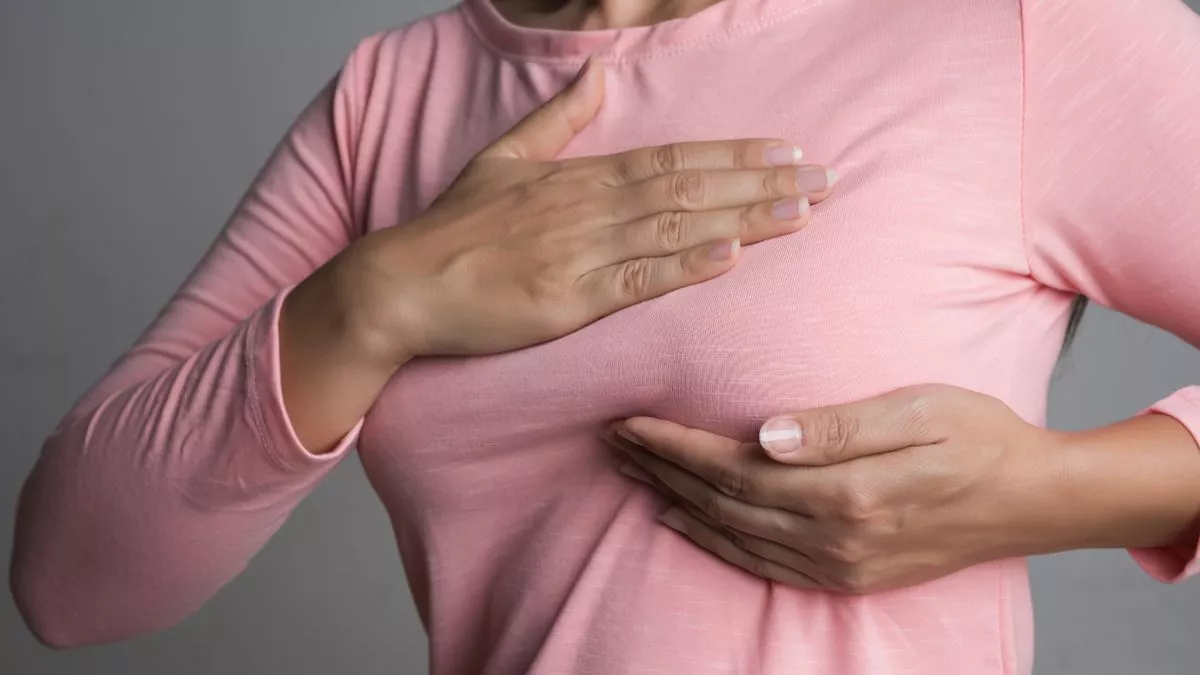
(883,493)
(914,485)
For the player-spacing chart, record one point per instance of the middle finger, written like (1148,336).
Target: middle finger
(667,233)
(714,190)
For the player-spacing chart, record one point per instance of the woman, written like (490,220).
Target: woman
(999,159)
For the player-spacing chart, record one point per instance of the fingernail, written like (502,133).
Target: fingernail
(780,435)
(831,177)
(637,474)
(790,209)
(628,435)
(783,155)
(672,519)
(812,179)
(723,250)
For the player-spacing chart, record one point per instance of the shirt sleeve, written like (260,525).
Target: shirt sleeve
(175,469)
(1111,175)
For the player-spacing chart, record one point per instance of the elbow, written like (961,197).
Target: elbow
(49,604)
(45,620)
(65,609)
(37,589)
(62,610)
(63,618)
(52,637)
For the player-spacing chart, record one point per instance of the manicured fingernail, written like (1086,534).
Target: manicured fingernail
(723,250)
(672,519)
(781,435)
(783,155)
(637,474)
(812,179)
(790,209)
(628,435)
(831,177)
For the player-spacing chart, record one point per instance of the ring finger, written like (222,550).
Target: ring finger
(743,551)
(668,233)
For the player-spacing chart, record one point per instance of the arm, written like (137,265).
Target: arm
(1112,208)
(179,465)
(175,469)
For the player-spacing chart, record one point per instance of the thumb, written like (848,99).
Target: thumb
(543,133)
(840,433)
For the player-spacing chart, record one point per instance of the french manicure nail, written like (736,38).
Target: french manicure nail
(831,177)
(812,179)
(790,209)
(780,435)
(783,155)
(723,250)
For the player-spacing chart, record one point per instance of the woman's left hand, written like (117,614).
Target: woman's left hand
(888,492)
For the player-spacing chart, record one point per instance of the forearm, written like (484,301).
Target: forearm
(145,503)
(1135,484)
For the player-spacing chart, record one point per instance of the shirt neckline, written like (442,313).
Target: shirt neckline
(722,20)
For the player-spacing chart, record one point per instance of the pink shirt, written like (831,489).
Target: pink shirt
(998,158)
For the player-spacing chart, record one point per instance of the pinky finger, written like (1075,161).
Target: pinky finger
(627,283)
(717,543)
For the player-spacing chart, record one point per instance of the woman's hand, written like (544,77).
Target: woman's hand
(524,248)
(914,485)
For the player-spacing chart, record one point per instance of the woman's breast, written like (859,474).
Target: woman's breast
(847,308)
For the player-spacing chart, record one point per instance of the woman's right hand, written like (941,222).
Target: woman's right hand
(523,248)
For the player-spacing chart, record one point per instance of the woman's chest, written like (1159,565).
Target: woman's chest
(912,271)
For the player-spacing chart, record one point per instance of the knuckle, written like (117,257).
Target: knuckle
(748,219)
(711,505)
(669,230)
(734,538)
(625,171)
(791,528)
(833,433)
(668,158)
(773,184)
(635,278)
(542,285)
(747,154)
(926,411)
(732,482)
(848,552)
(687,189)
(922,418)
(855,506)
(759,567)
(855,581)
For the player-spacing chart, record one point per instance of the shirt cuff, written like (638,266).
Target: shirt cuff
(1170,564)
(272,422)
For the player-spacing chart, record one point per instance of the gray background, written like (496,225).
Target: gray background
(129,128)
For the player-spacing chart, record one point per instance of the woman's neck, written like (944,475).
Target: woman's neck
(596,14)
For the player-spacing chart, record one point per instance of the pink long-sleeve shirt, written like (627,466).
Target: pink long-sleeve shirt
(998,158)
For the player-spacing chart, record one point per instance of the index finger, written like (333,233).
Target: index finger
(636,165)
(739,470)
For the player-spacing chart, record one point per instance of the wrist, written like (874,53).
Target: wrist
(1134,484)
(370,305)
(327,313)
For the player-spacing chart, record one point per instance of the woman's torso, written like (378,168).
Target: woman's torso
(526,550)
